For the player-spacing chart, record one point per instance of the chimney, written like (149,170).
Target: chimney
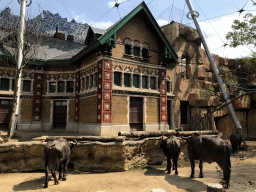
(70,38)
(58,35)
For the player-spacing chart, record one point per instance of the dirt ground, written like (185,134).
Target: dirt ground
(243,178)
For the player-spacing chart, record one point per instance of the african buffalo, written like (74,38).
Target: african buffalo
(59,152)
(209,148)
(171,148)
(236,141)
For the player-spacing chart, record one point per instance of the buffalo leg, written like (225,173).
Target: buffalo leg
(169,165)
(55,167)
(65,169)
(60,171)
(192,163)
(201,175)
(46,172)
(175,162)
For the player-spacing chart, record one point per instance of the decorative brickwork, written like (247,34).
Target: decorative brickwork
(104,91)
(162,96)
(77,91)
(37,96)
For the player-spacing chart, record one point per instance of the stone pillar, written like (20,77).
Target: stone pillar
(104,92)
(163,100)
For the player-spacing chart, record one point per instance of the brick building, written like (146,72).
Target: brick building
(120,79)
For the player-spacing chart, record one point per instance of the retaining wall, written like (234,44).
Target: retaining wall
(93,156)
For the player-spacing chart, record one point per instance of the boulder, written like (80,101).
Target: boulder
(251,123)
(242,103)
(201,72)
(226,126)
(191,71)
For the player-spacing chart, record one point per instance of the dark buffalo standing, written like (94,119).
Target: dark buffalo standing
(59,152)
(208,148)
(236,141)
(171,148)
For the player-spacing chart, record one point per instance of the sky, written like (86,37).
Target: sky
(102,14)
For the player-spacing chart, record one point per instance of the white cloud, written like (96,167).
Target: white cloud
(162,22)
(112,3)
(102,25)
(223,26)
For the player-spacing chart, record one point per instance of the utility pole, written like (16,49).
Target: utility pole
(18,72)
(232,112)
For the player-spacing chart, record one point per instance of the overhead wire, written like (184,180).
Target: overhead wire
(231,4)
(183,12)
(66,10)
(171,12)
(7,5)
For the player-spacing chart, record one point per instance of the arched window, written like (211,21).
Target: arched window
(127,46)
(145,50)
(136,49)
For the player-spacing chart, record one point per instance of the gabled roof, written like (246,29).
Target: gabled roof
(95,37)
(114,28)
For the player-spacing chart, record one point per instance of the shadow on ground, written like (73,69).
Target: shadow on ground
(185,183)
(34,184)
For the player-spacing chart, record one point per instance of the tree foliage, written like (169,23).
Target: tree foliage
(244,32)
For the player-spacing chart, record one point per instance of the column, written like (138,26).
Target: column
(104,91)
(77,91)
(163,97)
(37,97)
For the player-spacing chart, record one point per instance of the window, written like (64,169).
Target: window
(136,51)
(95,79)
(61,85)
(117,78)
(136,81)
(91,81)
(127,80)
(145,53)
(13,84)
(169,86)
(144,82)
(26,86)
(152,82)
(82,84)
(52,87)
(87,83)
(127,49)
(4,84)
(70,86)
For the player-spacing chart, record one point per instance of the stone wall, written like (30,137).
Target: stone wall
(88,156)
(120,109)
(194,81)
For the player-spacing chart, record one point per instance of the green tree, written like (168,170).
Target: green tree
(244,32)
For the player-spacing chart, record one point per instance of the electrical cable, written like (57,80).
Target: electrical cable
(183,12)
(171,13)
(7,5)
(210,22)
(231,4)
(102,16)
(214,17)
(66,9)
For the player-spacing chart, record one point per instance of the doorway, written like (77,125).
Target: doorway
(136,114)
(60,115)
(184,115)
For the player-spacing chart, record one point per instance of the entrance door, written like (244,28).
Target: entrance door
(60,115)
(5,115)
(136,114)
(185,115)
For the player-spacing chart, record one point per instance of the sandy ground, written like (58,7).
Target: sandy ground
(243,178)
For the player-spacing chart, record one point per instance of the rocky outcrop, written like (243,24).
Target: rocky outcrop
(47,22)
